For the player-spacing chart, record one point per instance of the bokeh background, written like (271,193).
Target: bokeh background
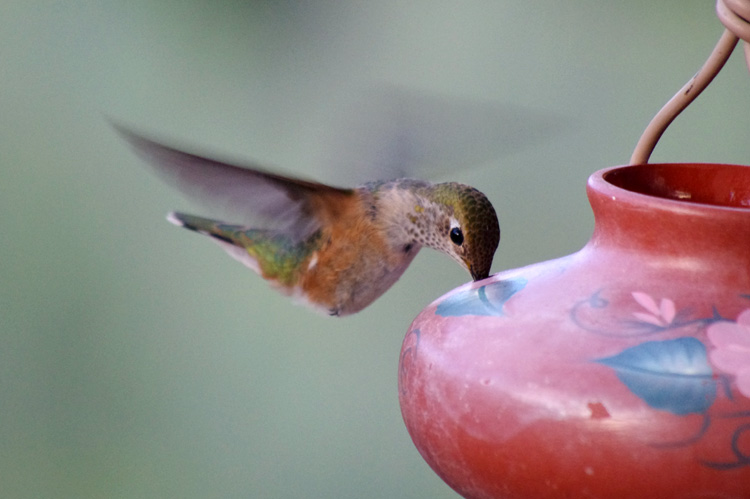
(137,360)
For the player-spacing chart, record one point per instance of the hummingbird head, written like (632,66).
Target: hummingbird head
(469,230)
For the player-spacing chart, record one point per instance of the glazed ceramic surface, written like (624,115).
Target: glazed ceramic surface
(622,370)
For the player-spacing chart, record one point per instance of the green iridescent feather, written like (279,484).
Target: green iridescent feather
(278,256)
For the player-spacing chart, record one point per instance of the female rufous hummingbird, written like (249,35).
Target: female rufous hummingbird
(336,249)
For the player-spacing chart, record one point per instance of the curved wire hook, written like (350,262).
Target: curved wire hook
(735,15)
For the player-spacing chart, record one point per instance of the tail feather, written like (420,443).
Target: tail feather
(206,226)
(227,236)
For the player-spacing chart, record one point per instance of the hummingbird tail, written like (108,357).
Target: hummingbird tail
(206,226)
(227,236)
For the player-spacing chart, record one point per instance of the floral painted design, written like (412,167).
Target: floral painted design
(684,364)
(731,354)
(488,300)
(651,317)
(659,315)
(671,375)
(679,375)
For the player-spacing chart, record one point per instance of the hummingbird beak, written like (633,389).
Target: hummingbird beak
(474,274)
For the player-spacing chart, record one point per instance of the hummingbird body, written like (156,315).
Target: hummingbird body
(335,249)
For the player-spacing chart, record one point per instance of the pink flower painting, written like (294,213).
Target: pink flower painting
(659,314)
(732,349)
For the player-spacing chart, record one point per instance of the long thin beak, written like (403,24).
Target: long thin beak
(478,277)
(474,274)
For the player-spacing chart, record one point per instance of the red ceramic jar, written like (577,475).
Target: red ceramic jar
(622,370)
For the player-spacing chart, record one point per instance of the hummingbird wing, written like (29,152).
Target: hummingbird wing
(246,194)
(387,132)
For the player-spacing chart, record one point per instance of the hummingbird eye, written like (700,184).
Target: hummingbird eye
(457,236)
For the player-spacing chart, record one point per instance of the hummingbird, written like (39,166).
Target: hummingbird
(335,249)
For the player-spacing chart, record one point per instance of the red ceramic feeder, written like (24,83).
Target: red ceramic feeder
(622,370)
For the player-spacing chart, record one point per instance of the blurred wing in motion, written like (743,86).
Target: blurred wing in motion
(245,195)
(391,132)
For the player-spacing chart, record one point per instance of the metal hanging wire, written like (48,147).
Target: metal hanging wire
(735,16)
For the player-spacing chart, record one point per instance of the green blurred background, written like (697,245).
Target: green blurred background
(137,360)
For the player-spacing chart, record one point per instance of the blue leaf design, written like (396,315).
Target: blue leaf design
(485,300)
(672,375)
